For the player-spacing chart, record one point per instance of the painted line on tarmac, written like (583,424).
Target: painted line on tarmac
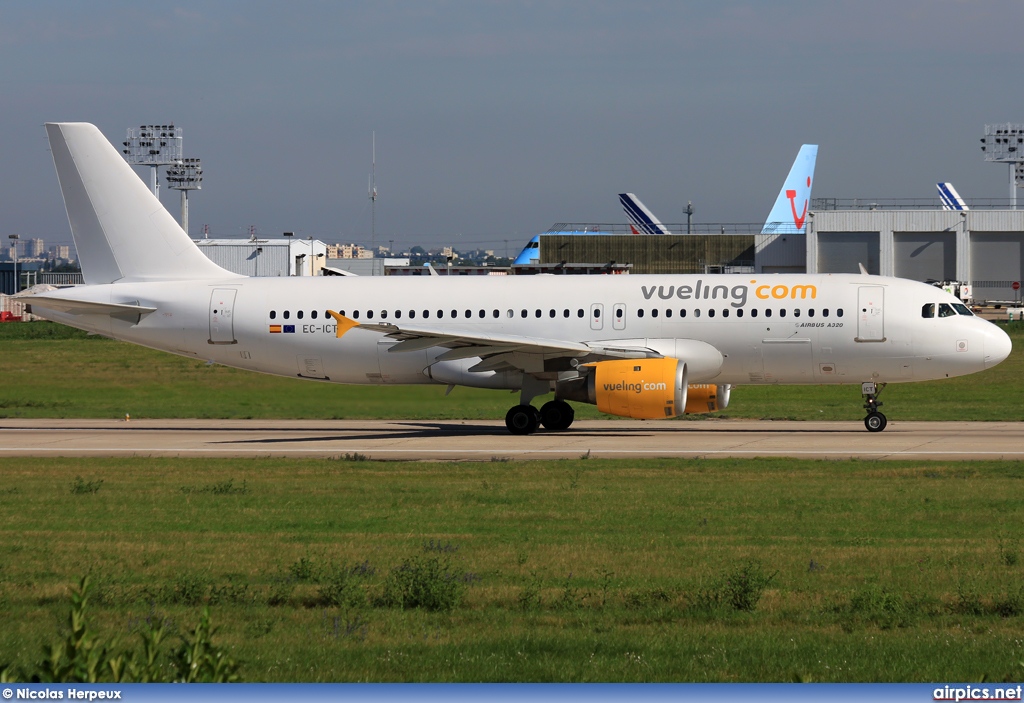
(456,452)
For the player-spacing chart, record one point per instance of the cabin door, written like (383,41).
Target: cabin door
(870,321)
(222,318)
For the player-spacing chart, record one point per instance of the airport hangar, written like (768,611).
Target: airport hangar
(982,246)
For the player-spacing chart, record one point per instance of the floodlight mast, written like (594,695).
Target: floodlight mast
(185,175)
(153,146)
(1004,143)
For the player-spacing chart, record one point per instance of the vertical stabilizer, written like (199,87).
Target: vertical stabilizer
(951,200)
(789,214)
(121,230)
(644,221)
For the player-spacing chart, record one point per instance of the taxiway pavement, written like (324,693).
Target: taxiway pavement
(483,440)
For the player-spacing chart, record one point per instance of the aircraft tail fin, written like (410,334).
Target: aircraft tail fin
(951,200)
(121,230)
(789,214)
(644,221)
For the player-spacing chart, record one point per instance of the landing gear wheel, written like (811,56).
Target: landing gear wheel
(875,422)
(522,419)
(557,415)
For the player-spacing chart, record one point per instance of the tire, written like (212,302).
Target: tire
(522,419)
(875,422)
(557,415)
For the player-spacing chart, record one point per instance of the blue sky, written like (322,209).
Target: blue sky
(496,119)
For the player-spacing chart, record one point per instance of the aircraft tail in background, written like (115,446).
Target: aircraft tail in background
(789,214)
(951,200)
(643,220)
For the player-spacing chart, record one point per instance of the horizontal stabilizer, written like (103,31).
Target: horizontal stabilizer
(71,306)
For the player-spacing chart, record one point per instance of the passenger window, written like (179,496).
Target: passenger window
(495,313)
(537,313)
(668,313)
(768,312)
(510,314)
(483,313)
(287,314)
(839,312)
(696,313)
(440,314)
(597,313)
(551,313)
(739,312)
(810,312)
(412,314)
(640,312)
(565,313)
(946,310)
(580,313)
(725,313)
(654,312)
(618,313)
(796,312)
(469,314)
(711,312)
(355,314)
(327,314)
(928,310)
(426,314)
(313,314)
(824,313)
(522,314)
(682,312)
(398,314)
(455,314)
(369,314)
(753,313)
(273,314)
(383,314)
(299,314)
(782,312)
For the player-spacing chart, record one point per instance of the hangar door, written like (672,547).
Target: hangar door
(923,256)
(997,260)
(841,252)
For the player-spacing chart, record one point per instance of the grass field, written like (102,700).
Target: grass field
(54,371)
(586,570)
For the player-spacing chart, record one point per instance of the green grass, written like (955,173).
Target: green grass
(54,371)
(659,570)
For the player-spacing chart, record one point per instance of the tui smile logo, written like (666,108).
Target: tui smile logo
(798,220)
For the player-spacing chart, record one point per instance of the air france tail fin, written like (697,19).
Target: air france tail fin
(789,214)
(121,230)
(644,221)
(951,200)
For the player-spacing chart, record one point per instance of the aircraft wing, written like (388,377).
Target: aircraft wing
(497,351)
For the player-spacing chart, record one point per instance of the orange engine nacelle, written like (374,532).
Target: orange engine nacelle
(645,389)
(707,398)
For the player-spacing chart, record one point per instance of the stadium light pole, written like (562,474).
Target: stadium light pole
(185,175)
(153,146)
(14,245)
(1004,143)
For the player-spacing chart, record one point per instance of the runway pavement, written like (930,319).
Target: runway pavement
(470,440)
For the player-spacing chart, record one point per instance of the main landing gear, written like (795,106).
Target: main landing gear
(875,421)
(525,419)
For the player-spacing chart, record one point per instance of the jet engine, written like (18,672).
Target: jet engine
(707,398)
(645,389)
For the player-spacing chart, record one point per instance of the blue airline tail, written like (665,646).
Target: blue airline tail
(951,200)
(789,214)
(644,221)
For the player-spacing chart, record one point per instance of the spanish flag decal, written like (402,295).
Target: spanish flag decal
(344,323)
(275,329)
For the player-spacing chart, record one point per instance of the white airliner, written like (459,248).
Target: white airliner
(635,345)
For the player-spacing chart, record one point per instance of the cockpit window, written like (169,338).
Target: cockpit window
(946,310)
(928,310)
(962,309)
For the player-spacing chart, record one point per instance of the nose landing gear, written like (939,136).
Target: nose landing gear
(875,421)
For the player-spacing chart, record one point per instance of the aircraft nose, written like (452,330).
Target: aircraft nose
(997,346)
